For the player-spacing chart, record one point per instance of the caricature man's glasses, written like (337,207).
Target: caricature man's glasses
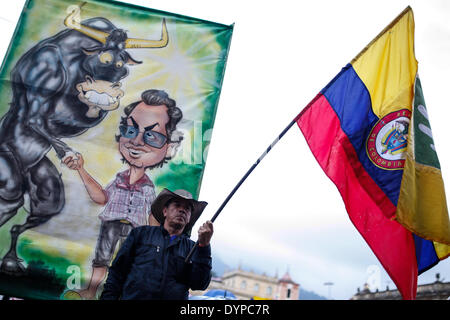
(152,138)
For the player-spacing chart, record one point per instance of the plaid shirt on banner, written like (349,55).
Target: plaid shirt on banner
(129,202)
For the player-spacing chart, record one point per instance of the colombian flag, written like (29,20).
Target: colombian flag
(369,130)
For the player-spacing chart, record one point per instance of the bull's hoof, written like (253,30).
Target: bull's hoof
(12,266)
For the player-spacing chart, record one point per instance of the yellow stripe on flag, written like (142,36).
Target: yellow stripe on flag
(422,205)
(442,250)
(388,66)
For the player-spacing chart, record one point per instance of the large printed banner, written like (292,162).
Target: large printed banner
(103,104)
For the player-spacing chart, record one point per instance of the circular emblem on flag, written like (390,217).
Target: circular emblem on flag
(386,145)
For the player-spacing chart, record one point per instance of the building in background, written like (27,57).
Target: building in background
(287,288)
(437,290)
(247,285)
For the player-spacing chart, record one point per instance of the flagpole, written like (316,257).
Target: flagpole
(247,174)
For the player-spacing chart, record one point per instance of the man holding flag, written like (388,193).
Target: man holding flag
(369,130)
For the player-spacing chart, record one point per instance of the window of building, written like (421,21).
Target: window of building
(269,291)
(243,284)
(256,287)
(288,293)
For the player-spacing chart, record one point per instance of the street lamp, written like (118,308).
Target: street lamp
(329,284)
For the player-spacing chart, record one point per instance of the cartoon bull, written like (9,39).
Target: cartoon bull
(61,87)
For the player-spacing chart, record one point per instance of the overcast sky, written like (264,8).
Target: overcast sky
(288,214)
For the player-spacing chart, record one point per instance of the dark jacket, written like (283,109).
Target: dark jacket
(148,267)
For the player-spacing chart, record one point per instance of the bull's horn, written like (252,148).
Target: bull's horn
(141,43)
(72,23)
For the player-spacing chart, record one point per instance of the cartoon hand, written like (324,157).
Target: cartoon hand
(205,233)
(73,161)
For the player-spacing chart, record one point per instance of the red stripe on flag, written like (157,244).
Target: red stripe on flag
(364,200)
